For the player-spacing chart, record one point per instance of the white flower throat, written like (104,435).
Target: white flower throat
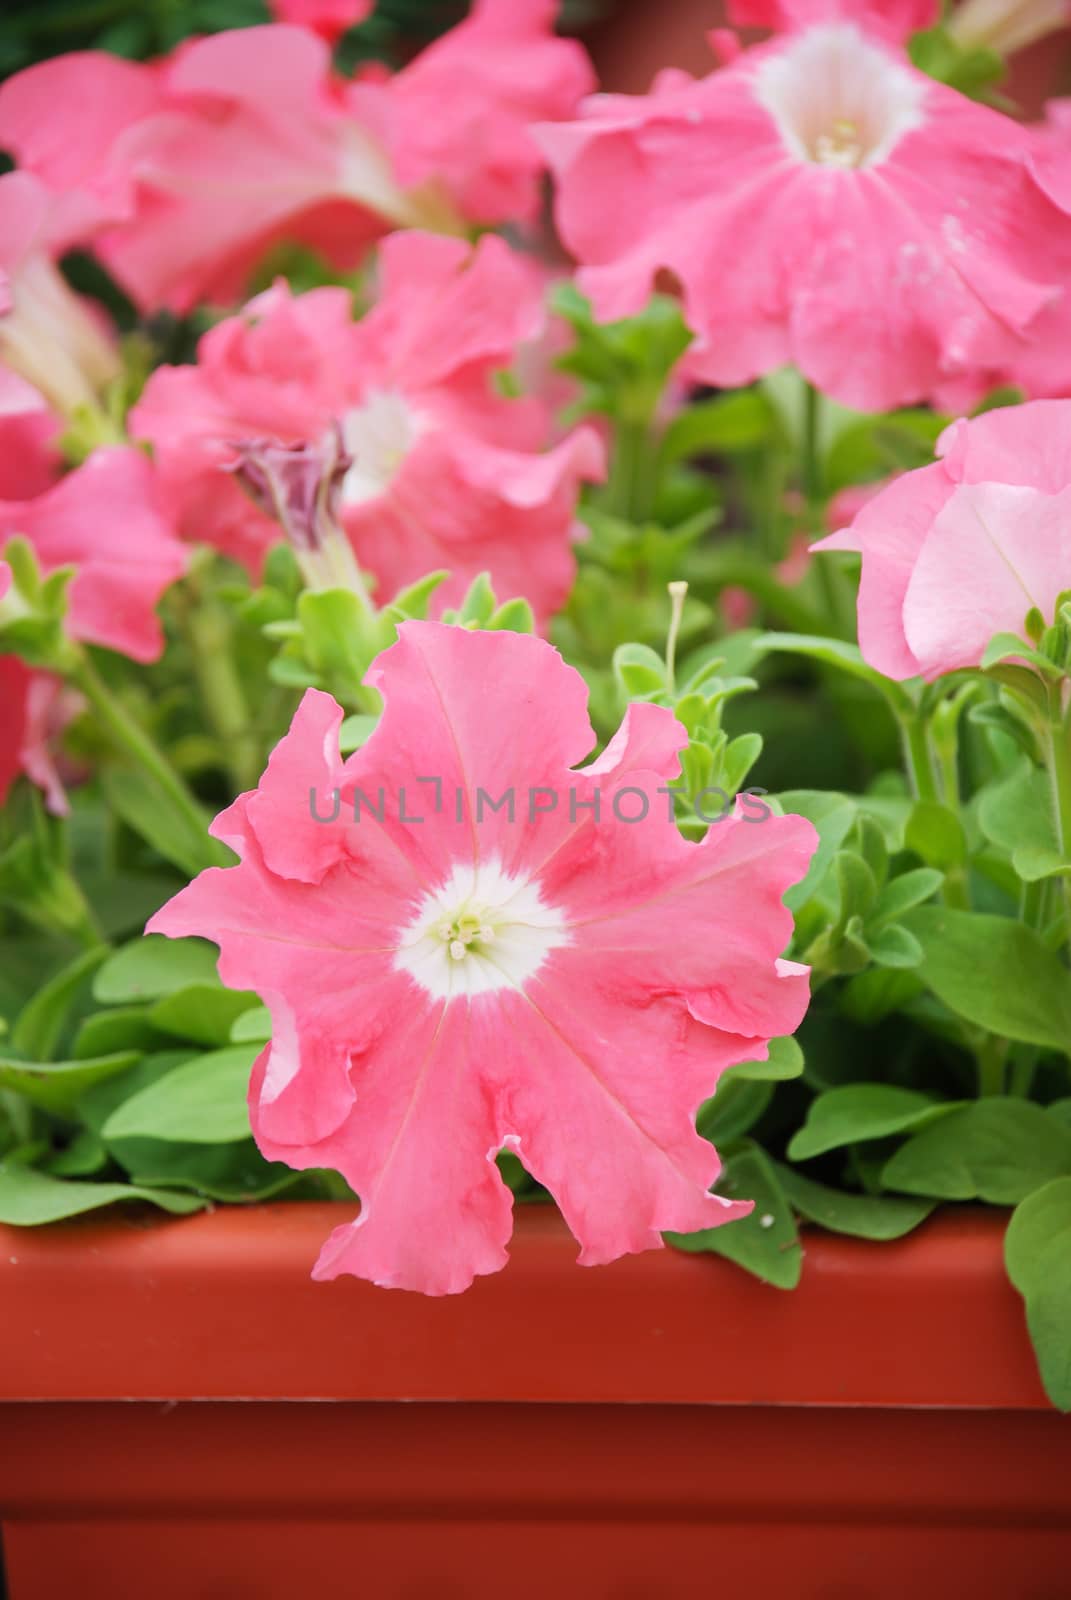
(838,99)
(378,435)
(481,930)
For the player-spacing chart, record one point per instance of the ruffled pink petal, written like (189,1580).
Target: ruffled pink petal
(461,112)
(614,1144)
(891,530)
(106,520)
(994,552)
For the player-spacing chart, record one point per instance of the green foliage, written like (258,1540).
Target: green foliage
(1037,1252)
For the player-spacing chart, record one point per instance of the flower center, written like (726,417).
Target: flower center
(838,99)
(481,930)
(378,435)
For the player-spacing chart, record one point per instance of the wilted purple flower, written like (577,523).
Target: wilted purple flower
(299,487)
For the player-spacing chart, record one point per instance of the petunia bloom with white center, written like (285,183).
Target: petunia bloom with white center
(822,204)
(450,979)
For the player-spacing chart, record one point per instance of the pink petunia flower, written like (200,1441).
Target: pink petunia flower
(959,551)
(820,203)
(895,18)
(49,336)
(447,473)
(328,18)
(461,113)
(106,520)
(29,456)
(35,707)
(246,138)
(1006,25)
(563,974)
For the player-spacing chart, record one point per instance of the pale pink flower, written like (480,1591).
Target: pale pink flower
(106,520)
(447,473)
(48,335)
(959,551)
(1006,25)
(821,203)
(328,18)
(246,138)
(566,985)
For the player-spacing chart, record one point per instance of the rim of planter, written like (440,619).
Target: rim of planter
(221,1306)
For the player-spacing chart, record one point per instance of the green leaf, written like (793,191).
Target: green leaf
(1016,813)
(902,894)
(936,834)
(742,420)
(864,1216)
(57,1086)
(253,1024)
(40,1023)
(894,947)
(785,1060)
(736,1107)
(998,1149)
(513,616)
(833,815)
(1037,1254)
(861,1111)
(81,1158)
(143,807)
(356,731)
(203,1012)
(152,967)
(105,1033)
(29,1198)
(97,1105)
(639,671)
(766,1242)
(201,1102)
(840,654)
(996,973)
(233,1172)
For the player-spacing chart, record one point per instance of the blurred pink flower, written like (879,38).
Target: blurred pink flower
(460,114)
(820,203)
(106,520)
(1006,25)
(447,473)
(961,550)
(895,18)
(29,457)
(34,707)
(49,336)
(246,138)
(328,18)
(560,982)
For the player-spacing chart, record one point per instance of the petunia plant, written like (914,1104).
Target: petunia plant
(511,703)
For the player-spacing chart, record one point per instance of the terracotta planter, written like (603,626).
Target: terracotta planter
(664,1427)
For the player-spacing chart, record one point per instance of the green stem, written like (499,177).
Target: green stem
(989,1054)
(137,744)
(1021,1071)
(678,589)
(811,463)
(1058,760)
(210,635)
(628,490)
(918,759)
